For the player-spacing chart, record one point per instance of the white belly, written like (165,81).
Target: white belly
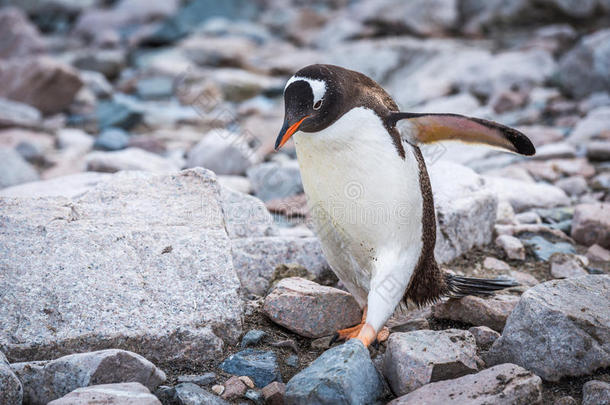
(365,201)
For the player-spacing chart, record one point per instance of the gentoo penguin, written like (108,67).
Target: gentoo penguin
(369,192)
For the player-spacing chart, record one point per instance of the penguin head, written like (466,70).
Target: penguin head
(312,99)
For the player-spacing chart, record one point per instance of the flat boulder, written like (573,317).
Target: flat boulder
(44,381)
(559,328)
(11,390)
(131,393)
(140,262)
(491,311)
(502,384)
(414,359)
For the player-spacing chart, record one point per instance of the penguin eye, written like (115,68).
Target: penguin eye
(317,105)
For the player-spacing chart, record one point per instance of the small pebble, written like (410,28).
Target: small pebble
(252,338)
(218,389)
(234,388)
(292,360)
(202,380)
(247,380)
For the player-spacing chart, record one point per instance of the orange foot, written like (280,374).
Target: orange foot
(363,332)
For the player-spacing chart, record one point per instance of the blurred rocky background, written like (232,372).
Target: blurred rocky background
(106,244)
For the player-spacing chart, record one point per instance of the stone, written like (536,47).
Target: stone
(260,365)
(218,51)
(310,309)
(11,390)
(573,186)
(97,83)
(42,82)
(117,113)
(512,247)
(203,380)
(247,380)
(564,265)
(414,359)
(584,69)
(236,183)
(112,139)
(543,249)
(491,263)
(15,114)
(255,396)
(557,329)
(234,388)
(502,384)
(595,392)
(598,151)
(255,259)
(164,240)
(465,209)
(14,169)
(218,389)
(491,312)
(542,135)
(596,253)
(523,278)
(18,36)
(274,393)
(601,182)
(44,381)
(108,62)
(191,394)
(593,124)
(71,186)
(128,159)
(247,217)
(591,224)
(155,87)
(484,336)
(252,338)
(129,393)
(292,361)
(223,152)
(524,196)
(567,400)
(275,180)
(344,374)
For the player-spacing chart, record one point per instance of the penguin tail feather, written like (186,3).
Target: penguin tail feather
(458,286)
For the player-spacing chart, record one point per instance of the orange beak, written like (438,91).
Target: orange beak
(286,133)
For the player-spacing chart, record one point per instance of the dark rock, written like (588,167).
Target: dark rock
(342,375)
(260,365)
(543,249)
(558,329)
(252,338)
(117,114)
(195,13)
(202,380)
(292,360)
(112,139)
(11,391)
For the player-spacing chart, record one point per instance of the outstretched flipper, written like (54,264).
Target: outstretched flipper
(429,128)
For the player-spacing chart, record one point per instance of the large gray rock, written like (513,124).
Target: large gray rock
(586,68)
(131,393)
(44,381)
(414,359)
(491,312)
(505,384)
(465,209)
(11,390)
(559,328)
(14,169)
(141,262)
(310,309)
(256,258)
(188,394)
(344,374)
(276,180)
(41,82)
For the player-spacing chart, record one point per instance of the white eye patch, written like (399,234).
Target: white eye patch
(318,87)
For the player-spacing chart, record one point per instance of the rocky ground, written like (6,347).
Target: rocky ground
(129,273)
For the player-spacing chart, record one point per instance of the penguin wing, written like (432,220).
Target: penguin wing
(428,128)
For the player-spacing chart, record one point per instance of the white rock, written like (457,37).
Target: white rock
(523,196)
(590,126)
(14,169)
(71,186)
(223,152)
(141,262)
(512,246)
(565,265)
(128,159)
(109,394)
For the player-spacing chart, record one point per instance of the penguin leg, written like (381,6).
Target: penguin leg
(361,332)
